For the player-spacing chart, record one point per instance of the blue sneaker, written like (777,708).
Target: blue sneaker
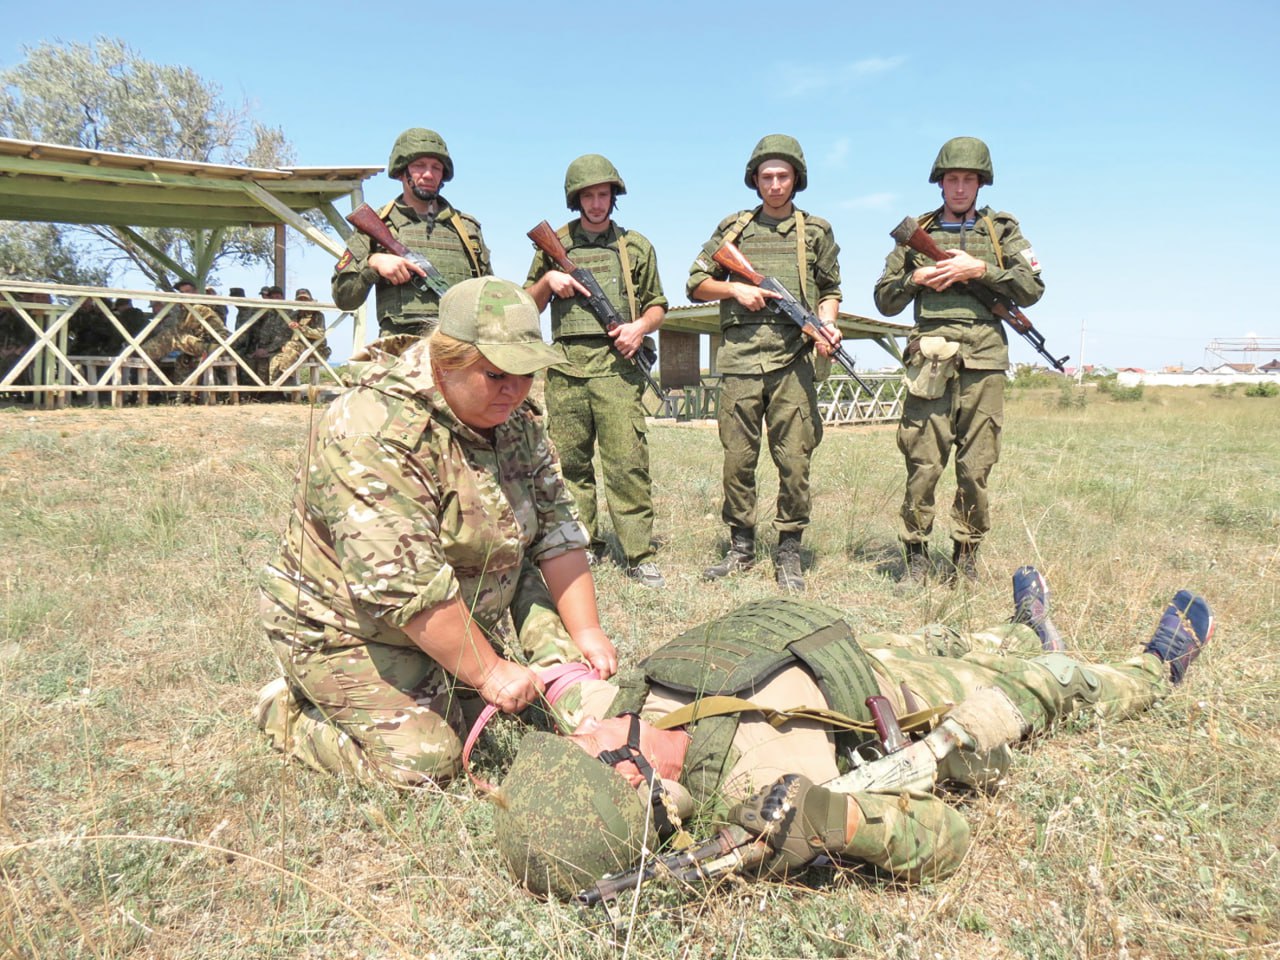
(1031,606)
(1182,633)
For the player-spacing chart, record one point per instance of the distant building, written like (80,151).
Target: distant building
(1234,368)
(1271,366)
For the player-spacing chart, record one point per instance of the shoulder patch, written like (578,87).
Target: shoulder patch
(1030,256)
(345,260)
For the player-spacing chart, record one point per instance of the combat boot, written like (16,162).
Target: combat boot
(1031,606)
(786,567)
(919,566)
(964,562)
(1183,631)
(740,557)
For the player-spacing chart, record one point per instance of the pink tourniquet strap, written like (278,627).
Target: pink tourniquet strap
(555,680)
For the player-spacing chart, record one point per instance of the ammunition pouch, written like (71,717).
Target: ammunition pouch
(932,362)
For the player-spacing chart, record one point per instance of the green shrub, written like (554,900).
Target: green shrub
(1262,389)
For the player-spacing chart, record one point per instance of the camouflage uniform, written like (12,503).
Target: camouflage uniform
(182,330)
(730,757)
(600,401)
(403,508)
(310,328)
(403,308)
(766,364)
(969,413)
(269,334)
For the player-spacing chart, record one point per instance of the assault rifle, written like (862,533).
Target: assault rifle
(909,234)
(786,305)
(365,219)
(596,301)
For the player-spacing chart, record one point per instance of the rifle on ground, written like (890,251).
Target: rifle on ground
(786,305)
(365,219)
(909,234)
(545,239)
(731,850)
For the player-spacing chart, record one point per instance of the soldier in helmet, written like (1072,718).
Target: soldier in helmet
(425,222)
(597,400)
(957,353)
(734,720)
(766,362)
(433,549)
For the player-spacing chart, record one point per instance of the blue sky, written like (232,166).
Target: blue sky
(1136,143)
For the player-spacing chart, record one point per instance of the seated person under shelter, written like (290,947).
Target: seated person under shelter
(668,742)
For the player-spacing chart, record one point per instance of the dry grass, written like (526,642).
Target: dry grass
(143,817)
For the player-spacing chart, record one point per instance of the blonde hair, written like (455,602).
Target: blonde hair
(450,353)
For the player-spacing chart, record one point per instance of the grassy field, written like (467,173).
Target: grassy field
(142,816)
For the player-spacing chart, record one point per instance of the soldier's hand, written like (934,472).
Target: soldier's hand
(828,347)
(564,286)
(628,337)
(599,651)
(959,267)
(752,297)
(394,269)
(798,820)
(510,686)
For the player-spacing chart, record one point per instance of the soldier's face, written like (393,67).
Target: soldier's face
(960,191)
(424,177)
(596,202)
(775,182)
(481,395)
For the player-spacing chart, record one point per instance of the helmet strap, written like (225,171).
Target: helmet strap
(631,751)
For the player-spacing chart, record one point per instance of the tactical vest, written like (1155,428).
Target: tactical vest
(404,302)
(569,318)
(775,255)
(732,655)
(953,305)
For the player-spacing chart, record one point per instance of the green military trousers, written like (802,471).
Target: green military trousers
(605,412)
(391,714)
(923,837)
(786,402)
(967,417)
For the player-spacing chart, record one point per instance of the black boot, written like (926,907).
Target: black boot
(964,562)
(741,555)
(787,566)
(919,567)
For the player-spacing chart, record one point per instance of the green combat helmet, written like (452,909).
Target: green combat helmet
(588,170)
(564,819)
(964,153)
(778,146)
(418,142)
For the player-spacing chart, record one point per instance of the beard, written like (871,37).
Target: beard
(422,193)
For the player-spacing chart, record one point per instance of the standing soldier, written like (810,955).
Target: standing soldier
(600,401)
(766,362)
(957,353)
(426,223)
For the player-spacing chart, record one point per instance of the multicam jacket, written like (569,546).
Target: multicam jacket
(403,507)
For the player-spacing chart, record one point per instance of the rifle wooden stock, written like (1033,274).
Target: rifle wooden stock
(545,239)
(909,233)
(732,259)
(365,219)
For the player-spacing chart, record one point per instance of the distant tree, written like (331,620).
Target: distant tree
(105,96)
(43,252)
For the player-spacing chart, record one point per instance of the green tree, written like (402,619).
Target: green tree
(105,96)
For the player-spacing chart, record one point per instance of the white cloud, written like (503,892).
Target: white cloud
(870,201)
(839,152)
(803,80)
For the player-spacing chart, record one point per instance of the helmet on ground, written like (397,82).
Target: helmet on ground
(778,146)
(414,143)
(964,153)
(588,170)
(565,819)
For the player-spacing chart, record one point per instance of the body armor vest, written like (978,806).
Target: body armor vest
(404,302)
(773,254)
(955,306)
(569,318)
(733,654)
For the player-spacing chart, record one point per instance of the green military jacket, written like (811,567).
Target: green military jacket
(404,304)
(954,314)
(589,350)
(761,341)
(404,507)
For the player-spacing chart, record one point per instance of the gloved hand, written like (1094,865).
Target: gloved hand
(798,819)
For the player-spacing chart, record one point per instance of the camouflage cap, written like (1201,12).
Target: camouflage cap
(567,819)
(501,320)
(302,293)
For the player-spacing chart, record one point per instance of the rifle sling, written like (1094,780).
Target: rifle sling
(746,216)
(720,706)
(624,261)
